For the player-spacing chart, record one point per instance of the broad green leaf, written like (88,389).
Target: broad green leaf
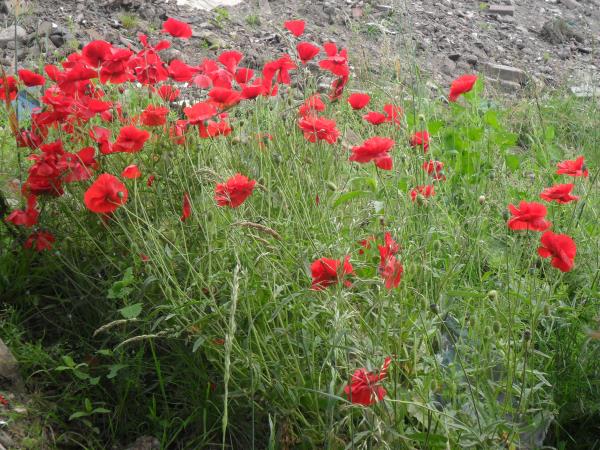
(131,311)
(347,196)
(513,162)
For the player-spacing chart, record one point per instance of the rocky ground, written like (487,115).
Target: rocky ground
(551,42)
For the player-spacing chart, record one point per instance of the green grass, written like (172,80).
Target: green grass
(220,342)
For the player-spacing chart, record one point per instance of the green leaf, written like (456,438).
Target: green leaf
(78,414)
(100,411)
(513,162)
(434,127)
(491,119)
(114,369)
(549,133)
(347,196)
(198,343)
(121,289)
(88,405)
(131,311)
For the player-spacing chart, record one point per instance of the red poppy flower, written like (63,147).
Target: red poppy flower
(336,62)
(96,52)
(365,244)
(250,91)
(180,71)
(390,247)
(105,194)
(177,29)
(364,388)
(243,75)
(435,169)
(319,128)
(559,193)
(131,172)
(27,217)
(8,88)
(359,100)
(200,112)
(154,116)
(375,117)
(326,272)
(461,86)
(230,59)
(528,216)
(307,51)
(234,191)
(420,138)
(187,207)
(374,149)
(150,180)
(337,87)
(40,241)
(425,191)
(391,271)
(393,113)
(573,168)
(30,78)
(561,248)
(296,27)
(130,140)
(310,105)
(281,67)
(213,129)
(224,98)
(116,68)
(168,93)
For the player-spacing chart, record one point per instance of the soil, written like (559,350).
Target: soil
(554,41)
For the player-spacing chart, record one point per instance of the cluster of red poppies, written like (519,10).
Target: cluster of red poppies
(531,216)
(75,102)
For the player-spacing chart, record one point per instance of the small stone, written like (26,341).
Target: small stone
(500,10)
(8,34)
(145,443)
(454,56)
(585,50)
(571,4)
(58,40)
(8,364)
(505,73)
(472,59)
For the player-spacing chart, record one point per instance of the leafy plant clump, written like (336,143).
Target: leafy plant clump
(255,271)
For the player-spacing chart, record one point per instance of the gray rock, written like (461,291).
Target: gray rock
(8,34)
(145,443)
(505,73)
(9,368)
(557,31)
(500,10)
(58,40)
(571,4)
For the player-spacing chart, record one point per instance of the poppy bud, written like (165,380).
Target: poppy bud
(547,309)
(421,201)
(276,158)
(486,331)
(505,215)
(493,295)
(120,194)
(331,185)
(496,327)
(481,199)
(434,308)
(208,216)
(437,245)
(526,335)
